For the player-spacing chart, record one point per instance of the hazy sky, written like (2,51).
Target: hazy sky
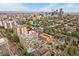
(70,7)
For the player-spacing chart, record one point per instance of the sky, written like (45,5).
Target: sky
(68,7)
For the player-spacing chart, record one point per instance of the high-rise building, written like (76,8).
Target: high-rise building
(8,24)
(55,13)
(18,30)
(61,12)
(4,24)
(24,30)
(1,24)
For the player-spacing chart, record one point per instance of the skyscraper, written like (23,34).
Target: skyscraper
(61,12)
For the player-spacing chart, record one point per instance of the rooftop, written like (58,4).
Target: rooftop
(3,40)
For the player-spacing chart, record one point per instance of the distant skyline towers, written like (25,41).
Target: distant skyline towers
(58,13)
(61,12)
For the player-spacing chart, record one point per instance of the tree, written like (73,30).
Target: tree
(75,33)
(72,50)
(15,38)
(62,47)
(25,53)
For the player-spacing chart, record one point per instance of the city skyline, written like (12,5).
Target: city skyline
(36,7)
